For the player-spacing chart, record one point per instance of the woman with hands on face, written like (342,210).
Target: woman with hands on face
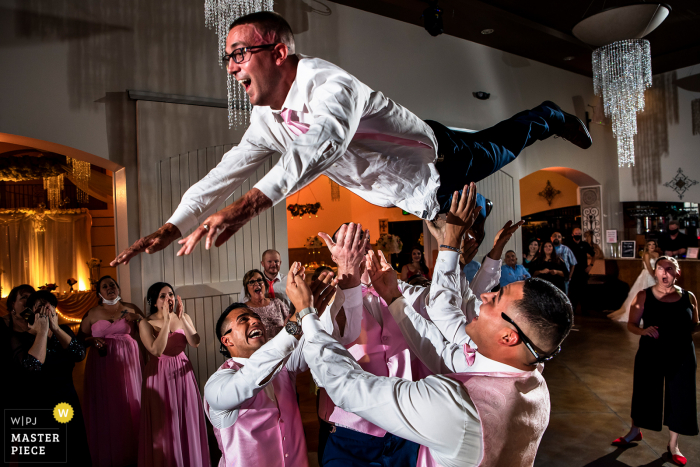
(41,360)
(172,428)
(112,394)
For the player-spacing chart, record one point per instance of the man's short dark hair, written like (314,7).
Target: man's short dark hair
(267,252)
(269,22)
(220,323)
(14,293)
(510,251)
(44,295)
(547,310)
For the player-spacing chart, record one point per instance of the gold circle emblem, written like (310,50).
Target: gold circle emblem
(63,412)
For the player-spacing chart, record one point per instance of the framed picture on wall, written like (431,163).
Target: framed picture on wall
(692,253)
(628,249)
(383,226)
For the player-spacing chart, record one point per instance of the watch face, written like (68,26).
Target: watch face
(292,328)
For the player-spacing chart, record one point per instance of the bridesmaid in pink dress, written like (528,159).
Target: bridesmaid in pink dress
(173,431)
(112,388)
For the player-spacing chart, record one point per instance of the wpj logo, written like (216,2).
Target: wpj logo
(37,435)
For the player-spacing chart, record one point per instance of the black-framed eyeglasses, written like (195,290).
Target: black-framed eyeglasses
(243,54)
(539,358)
(257,281)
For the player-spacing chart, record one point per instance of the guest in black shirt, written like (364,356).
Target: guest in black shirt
(550,267)
(579,282)
(674,243)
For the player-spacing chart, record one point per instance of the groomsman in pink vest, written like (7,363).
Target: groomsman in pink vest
(382,350)
(251,399)
(488,403)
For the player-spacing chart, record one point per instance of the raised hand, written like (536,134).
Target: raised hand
(348,252)
(437,229)
(383,276)
(179,308)
(463,213)
(323,290)
(469,249)
(217,228)
(150,244)
(502,238)
(41,325)
(297,290)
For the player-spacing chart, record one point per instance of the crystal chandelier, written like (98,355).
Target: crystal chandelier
(53,186)
(219,14)
(621,74)
(81,174)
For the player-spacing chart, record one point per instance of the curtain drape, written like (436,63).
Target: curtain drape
(40,247)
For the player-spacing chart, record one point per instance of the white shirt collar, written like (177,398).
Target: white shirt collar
(240,360)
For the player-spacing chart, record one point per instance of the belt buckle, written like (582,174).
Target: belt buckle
(332,428)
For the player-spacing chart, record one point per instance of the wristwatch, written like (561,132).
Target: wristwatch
(293,328)
(304,312)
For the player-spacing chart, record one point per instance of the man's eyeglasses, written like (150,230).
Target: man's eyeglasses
(256,281)
(540,358)
(243,54)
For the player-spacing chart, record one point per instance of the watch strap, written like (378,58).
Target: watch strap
(304,312)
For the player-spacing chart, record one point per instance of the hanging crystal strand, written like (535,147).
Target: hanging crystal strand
(621,74)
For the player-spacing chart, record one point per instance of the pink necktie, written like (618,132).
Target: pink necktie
(469,354)
(297,127)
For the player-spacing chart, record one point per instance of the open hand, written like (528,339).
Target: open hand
(298,292)
(179,308)
(383,276)
(217,228)
(150,244)
(323,290)
(437,229)
(469,249)
(502,238)
(463,213)
(348,252)
(41,324)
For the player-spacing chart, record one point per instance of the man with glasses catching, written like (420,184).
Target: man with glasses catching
(488,403)
(323,120)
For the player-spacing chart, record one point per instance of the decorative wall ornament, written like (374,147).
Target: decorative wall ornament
(680,183)
(81,172)
(621,74)
(300,209)
(695,108)
(549,193)
(335,191)
(218,15)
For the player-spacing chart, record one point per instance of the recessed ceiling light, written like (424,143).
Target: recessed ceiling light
(487,31)
(570,57)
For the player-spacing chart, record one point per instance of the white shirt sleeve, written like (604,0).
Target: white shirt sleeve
(229,388)
(487,277)
(336,103)
(426,341)
(202,198)
(447,295)
(435,412)
(350,301)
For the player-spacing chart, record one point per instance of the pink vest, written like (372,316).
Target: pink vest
(380,350)
(266,433)
(513,412)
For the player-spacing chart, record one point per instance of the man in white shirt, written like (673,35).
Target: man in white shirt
(251,400)
(322,120)
(276,282)
(517,328)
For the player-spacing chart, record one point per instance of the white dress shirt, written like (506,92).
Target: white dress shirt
(357,137)
(486,278)
(228,388)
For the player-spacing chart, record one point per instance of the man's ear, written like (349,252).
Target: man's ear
(508,337)
(281,53)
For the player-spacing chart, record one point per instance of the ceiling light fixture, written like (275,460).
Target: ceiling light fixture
(569,58)
(486,31)
(622,65)
(432,19)
(218,15)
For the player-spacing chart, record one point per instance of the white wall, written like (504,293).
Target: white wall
(664,144)
(64,72)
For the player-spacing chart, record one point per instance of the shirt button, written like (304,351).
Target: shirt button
(284,191)
(283,438)
(286,455)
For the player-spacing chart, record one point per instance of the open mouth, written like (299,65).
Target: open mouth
(245,83)
(255,334)
(257,289)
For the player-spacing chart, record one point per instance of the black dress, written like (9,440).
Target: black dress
(670,359)
(555,279)
(42,386)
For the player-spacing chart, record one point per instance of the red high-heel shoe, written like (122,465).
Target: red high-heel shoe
(676,459)
(622,442)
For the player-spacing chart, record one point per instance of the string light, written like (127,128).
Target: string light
(67,318)
(54,186)
(81,172)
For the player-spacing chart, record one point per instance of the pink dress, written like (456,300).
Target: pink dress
(173,431)
(112,400)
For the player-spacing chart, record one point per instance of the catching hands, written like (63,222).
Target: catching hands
(323,290)
(348,252)
(302,296)
(150,244)
(469,249)
(463,213)
(502,238)
(217,228)
(383,277)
